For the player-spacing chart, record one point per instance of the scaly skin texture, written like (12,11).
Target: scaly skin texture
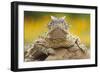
(59,44)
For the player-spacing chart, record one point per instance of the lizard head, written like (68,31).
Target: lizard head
(58,22)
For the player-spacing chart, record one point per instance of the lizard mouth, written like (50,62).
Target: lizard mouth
(57,32)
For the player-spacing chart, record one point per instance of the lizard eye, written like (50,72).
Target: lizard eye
(52,23)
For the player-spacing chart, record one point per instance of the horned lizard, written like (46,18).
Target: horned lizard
(58,44)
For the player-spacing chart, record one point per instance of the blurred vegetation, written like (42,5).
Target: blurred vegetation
(35,25)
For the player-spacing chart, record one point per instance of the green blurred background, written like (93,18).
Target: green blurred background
(35,25)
